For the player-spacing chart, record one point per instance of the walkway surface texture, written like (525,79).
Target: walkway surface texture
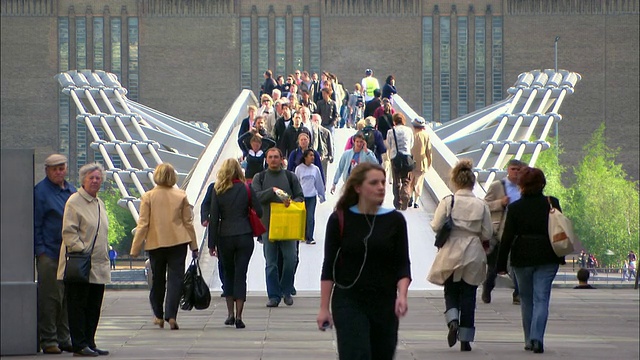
(583,324)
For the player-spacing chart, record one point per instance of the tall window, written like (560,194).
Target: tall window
(63,100)
(496,58)
(281,46)
(245,52)
(314,50)
(463,81)
(480,45)
(116,46)
(298,43)
(263,44)
(445,68)
(98,43)
(133,79)
(427,67)
(81,63)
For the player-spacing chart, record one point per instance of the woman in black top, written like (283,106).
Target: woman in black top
(526,237)
(230,234)
(366,267)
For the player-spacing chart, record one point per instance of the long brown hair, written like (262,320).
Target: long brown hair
(349,195)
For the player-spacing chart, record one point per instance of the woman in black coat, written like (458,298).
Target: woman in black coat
(526,238)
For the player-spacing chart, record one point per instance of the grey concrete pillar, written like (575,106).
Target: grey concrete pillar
(18,289)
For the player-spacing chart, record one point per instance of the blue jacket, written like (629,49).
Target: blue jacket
(49,200)
(345,163)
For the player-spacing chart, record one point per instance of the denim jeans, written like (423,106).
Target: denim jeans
(276,285)
(310,206)
(462,296)
(535,292)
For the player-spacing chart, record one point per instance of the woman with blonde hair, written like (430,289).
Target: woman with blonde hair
(460,264)
(165,226)
(230,234)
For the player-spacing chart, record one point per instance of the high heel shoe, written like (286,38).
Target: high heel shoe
(536,346)
(465,346)
(230,320)
(239,324)
(159,322)
(452,336)
(173,324)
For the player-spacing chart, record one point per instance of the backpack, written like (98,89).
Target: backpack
(370,137)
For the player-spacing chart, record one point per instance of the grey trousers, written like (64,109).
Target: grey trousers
(53,323)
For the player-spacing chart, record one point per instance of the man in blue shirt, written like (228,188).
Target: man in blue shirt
(49,198)
(500,194)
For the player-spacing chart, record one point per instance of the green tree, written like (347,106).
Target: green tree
(604,203)
(120,220)
(549,163)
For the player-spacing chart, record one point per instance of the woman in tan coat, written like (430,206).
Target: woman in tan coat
(460,264)
(85,228)
(166,228)
(421,152)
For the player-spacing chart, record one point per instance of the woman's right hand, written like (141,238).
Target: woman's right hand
(324,320)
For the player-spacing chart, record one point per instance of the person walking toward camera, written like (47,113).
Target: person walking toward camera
(366,269)
(85,228)
(49,198)
(231,235)
(526,240)
(165,226)
(460,264)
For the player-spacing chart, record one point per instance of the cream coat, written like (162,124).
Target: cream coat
(79,224)
(421,151)
(463,254)
(165,220)
(493,198)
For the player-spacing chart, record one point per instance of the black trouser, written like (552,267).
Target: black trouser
(490,281)
(167,267)
(84,302)
(366,326)
(462,296)
(235,253)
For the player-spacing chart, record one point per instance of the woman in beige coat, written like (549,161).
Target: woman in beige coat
(421,152)
(85,219)
(165,226)
(460,264)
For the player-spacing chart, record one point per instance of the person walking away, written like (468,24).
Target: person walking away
(369,84)
(85,225)
(460,265)
(526,240)
(165,226)
(230,232)
(49,198)
(366,269)
(267,184)
(500,194)
(313,187)
(400,140)
(113,254)
(421,152)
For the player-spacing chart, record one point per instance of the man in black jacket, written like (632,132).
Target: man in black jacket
(269,83)
(328,110)
(372,104)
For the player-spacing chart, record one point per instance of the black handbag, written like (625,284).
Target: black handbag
(443,234)
(195,292)
(78,267)
(403,163)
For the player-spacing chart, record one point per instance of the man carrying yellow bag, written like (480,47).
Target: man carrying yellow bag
(273,186)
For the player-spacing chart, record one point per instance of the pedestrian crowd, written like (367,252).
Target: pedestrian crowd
(287,144)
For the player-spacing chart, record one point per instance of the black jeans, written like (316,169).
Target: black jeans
(366,326)
(167,267)
(235,253)
(490,281)
(84,302)
(462,296)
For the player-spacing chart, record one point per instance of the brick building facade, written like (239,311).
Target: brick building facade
(190,59)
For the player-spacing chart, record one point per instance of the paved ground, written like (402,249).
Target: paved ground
(583,324)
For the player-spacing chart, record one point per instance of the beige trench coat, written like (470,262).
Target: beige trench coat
(79,224)
(462,255)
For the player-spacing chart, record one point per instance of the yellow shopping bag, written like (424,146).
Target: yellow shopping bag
(287,223)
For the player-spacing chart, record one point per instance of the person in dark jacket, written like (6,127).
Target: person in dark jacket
(289,140)
(244,140)
(282,123)
(371,105)
(230,231)
(296,157)
(328,110)
(526,238)
(247,123)
(389,88)
(269,83)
